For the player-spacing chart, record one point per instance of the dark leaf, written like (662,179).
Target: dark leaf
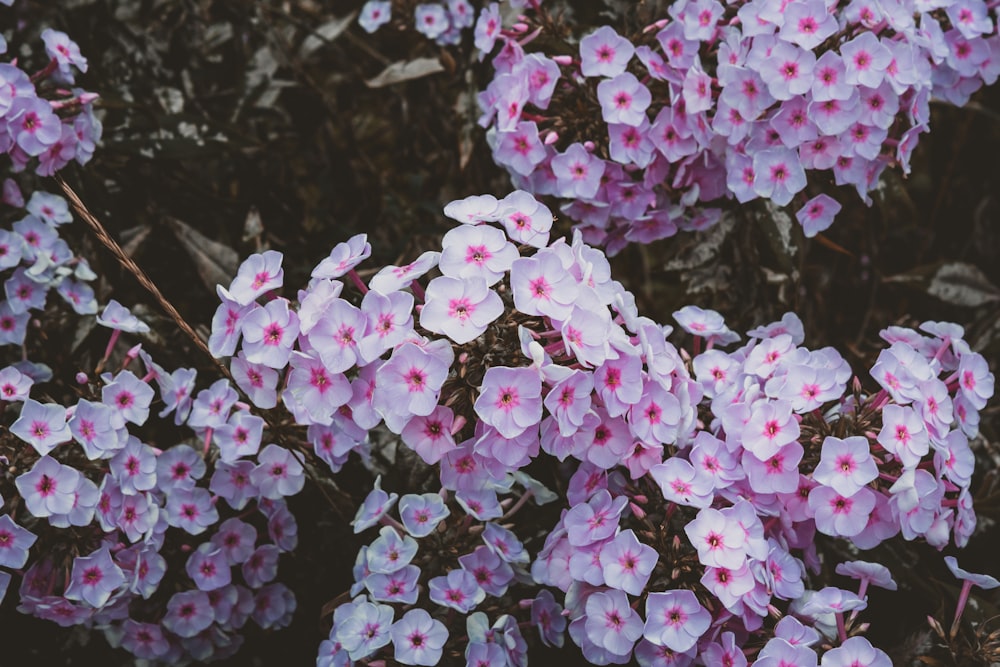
(405,70)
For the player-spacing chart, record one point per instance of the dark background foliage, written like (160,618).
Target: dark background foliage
(234,125)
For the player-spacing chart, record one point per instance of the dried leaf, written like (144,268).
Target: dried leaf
(465,107)
(955,283)
(702,247)
(253,227)
(777,226)
(215,262)
(326,33)
(133,238)
(405,70)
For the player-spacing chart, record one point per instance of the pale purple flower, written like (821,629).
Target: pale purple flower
(594,520)
(418,639)
(505,544)
(779,175)
(707,324)
(227,324)
(399,586)
(48,488)
(520,149)
(817,214)
(344,257)
(510,399)
(865,60)
(365,630)
(546,616)
(720,541)
(312,393)
(235,539)
(392,278)
(430,435)
(65,52)
(776,474)
(525,219)
(542,286)
(479,251)
(257,275)
(129,398)
(138,515)
(32,124)
(13,326)
(491,572)
(487,29)
(975,381)
(261,566)
(569,400)
(188,613)
(623,99)
(14,543)
(846,464)
(144,640)
(867,573)
(24,294)
(431,20)
(807,23)
(839,515)
(374,14)
(788,71)
(983,581)
(94,579)
(231,481)
(627,563)
(778,652)
(211,406)
(42,425)
(256,380)
(460,309)
(179,467)
(117,316)
(374,507)
(681,483)
(421,514)
(771,427)
(278,473)
(208,567)
(578,172)
(269,333)
(390,551)
(611,623)
(192,510)
(134,467)
(473,209)
(458,590)
(903,434)
(855,652)
(675,619)
(389,318)
(240,436)
(604,53)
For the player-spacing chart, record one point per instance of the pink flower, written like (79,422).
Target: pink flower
(269,333)
(257,275)
(604,53)
(460,309)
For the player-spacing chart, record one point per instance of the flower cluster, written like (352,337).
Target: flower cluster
(42,122)
(205,519)
(735,101)
(95,520)
(442,22)
(695,485)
